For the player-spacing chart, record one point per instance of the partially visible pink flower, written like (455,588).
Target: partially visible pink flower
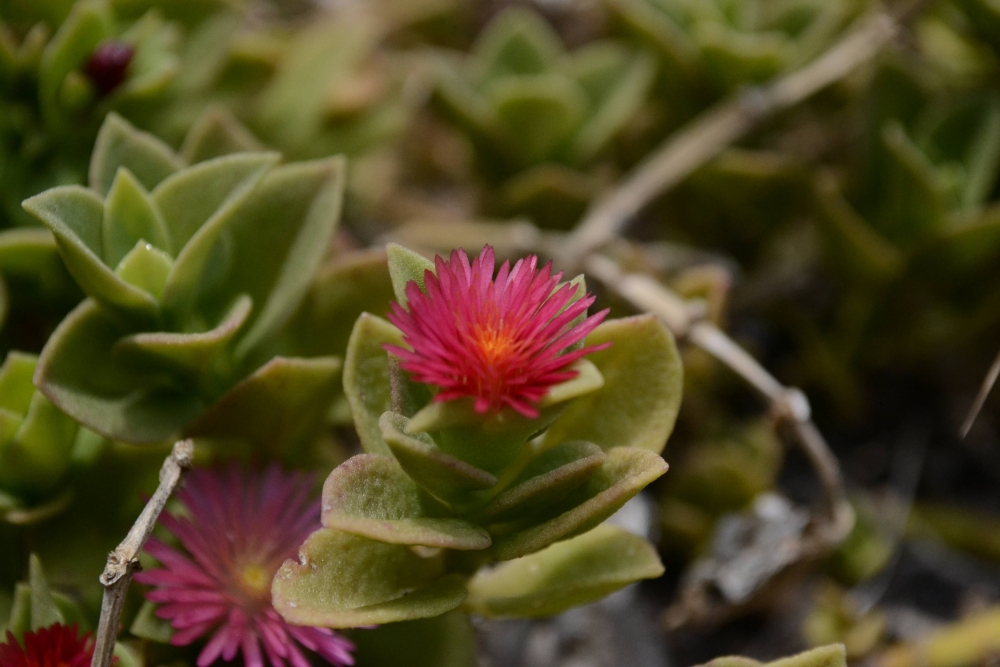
(243,524)
(55,646)
(504,342)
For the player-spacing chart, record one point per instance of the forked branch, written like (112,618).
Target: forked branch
(123,562)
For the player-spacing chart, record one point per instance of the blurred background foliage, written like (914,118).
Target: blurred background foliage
(851,244)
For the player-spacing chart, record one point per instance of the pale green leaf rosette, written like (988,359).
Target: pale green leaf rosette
(445,492)
(192,271)
(539,115)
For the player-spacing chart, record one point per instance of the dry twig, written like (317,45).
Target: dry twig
(984,392)
(123,562)
(712,132)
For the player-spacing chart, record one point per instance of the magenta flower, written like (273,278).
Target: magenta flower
(503,342)
(243,524)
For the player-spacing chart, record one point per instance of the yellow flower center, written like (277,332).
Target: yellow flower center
(256,578)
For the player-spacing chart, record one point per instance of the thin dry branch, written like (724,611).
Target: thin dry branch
(719,127)
(123,562)
(788,404)
(984,392)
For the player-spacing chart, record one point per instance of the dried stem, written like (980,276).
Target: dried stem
(788,404)
(984,392)
(123,562)
(713,131)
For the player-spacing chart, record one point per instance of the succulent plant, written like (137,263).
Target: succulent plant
(451,483)
(58,80)
(36,442)
(538,114)
(723,44)
(191,271)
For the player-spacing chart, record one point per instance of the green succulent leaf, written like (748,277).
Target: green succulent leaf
(88,24)
(75,217)
(546,480)
(118,145)
(542,111)
(217,133)
(349,285)
(111,400)
(833,655)
(130,217)
(280,402)
(442,475)
(577,571)
(443,641)
(625,472)
(366,378)
(370,495)
(615,107)
(146,267)
(147,626)
(643,383)
(198,204)
(39,454)
(494,440)
(516,42)
(279,237)
(404,266)
(16,389)
(190,353)
(343,580)
(44,611)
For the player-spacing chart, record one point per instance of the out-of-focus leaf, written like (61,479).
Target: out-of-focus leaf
(119,144)
(217,133)
(566,574)
(443,641)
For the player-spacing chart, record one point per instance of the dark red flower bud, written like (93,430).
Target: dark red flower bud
(108,65)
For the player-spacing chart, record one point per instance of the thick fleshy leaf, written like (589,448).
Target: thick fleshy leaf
(130,217)
(441,475)
(542,111)
(87,25)
(190,353)
(78,372)
(626,471)
(443,641)
(643,382)
(546,480)
(38,456)
(197,205)
(371,496)
(279,236)
(145,267)
(217,133)
(577,571)
(343,580)
(44,610)
(147,626)
(615,108)
(366,378)
(119,144)
(495,440)
(517,42)
(16,388)
(406,265)
(343,289)
(280,402)
(833,655)
(75,217)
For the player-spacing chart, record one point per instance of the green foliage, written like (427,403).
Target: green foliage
(36,440)
(722,44)
(190,279)
(538,114)
(444,490)
(50,108)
